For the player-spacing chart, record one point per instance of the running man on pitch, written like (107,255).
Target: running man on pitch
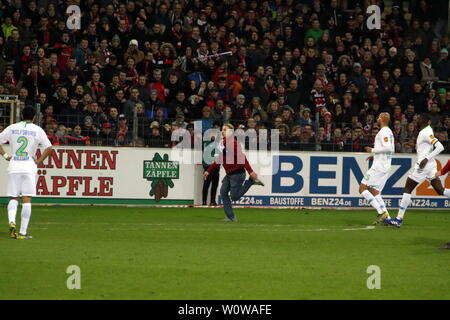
(234,161)
(24,138)
(374,180)
(428,147)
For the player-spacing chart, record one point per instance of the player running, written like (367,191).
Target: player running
(428,147)
(373,182)
(24,138)
(235,163)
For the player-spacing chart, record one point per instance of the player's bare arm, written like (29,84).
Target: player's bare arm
(6,156)
(44,155)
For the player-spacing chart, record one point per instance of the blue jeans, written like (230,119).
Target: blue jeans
(233,188)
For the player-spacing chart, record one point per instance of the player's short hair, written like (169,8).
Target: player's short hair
(229,126)
(425,117)
(28,113)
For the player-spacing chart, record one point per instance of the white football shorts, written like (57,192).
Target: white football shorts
(420,175)
(375,178)
(22,185)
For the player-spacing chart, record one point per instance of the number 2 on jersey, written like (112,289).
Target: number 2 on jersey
(24,142)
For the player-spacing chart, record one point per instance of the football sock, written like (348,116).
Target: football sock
(12,210)
(26,215)
(372,201)
(447,193)
(382,204)
(406,200)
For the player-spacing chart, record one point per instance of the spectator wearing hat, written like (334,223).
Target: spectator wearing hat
(153,104)
(107,136)
(179,121)
(133,52)
(356,77)
(122,127)
(305,118)
(256,108)
(443,66)
(154,137)
(117,49)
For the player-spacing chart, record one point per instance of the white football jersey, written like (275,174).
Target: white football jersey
(384,140)
(425,145)
(24,138)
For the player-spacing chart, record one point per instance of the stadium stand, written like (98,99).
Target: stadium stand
(137,70)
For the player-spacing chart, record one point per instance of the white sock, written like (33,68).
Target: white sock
(406,200)
(26,215)
(12,210)
(371,199)
(382,204)
(447,193)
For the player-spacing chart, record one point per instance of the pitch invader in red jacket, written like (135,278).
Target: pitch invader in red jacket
(235,163)
(444,170)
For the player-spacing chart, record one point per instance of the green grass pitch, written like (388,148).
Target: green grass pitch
(155,253)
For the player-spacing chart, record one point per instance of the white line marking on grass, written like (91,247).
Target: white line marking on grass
(244,229)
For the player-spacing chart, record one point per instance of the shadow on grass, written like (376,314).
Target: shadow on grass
(429,242)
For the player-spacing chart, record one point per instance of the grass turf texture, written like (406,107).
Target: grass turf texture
(152,253)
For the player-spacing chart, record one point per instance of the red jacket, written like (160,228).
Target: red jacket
(446,168)
(231,157)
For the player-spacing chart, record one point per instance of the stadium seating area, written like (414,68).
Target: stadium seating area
(137,70)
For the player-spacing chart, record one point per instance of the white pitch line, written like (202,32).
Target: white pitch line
(244,229)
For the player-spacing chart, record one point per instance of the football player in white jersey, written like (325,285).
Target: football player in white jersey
(374,180)
(428,147)
(24,138)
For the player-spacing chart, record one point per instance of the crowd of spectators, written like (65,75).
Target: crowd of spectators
(310,68)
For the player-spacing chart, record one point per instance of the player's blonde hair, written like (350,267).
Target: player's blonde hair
(229,126)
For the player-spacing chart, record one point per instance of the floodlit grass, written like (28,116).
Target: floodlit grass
(154,253)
